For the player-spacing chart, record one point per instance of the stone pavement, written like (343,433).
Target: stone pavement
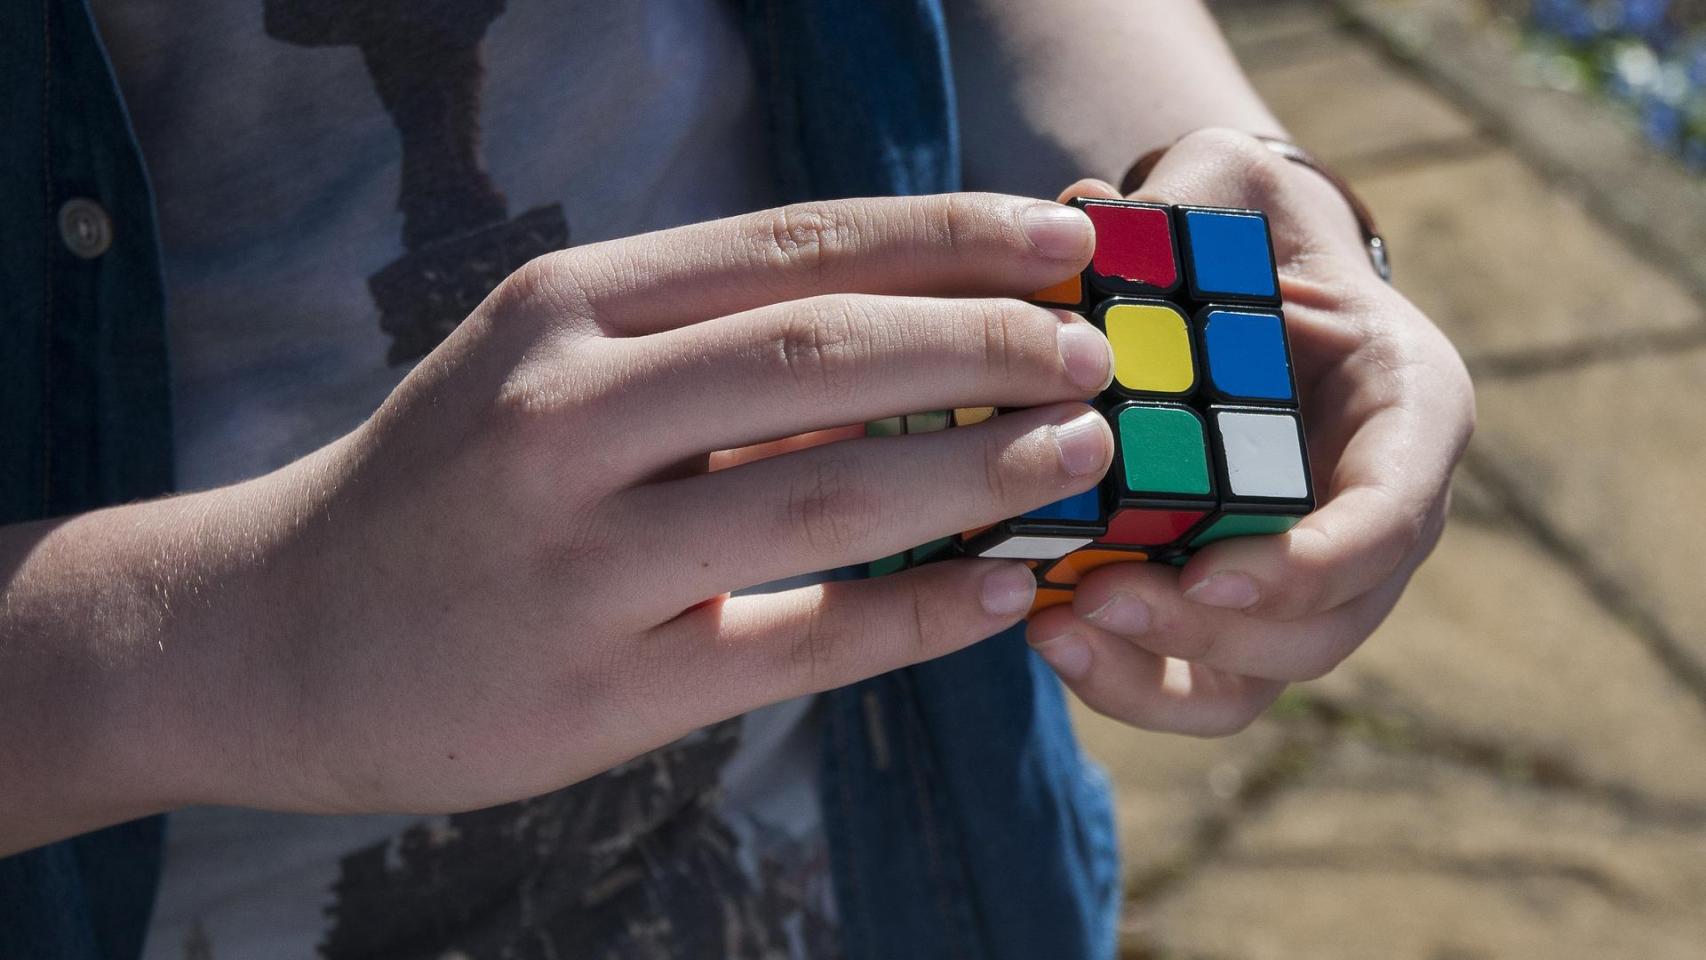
(1515,765)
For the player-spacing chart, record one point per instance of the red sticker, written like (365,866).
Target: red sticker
(1134,244)
(1150,528)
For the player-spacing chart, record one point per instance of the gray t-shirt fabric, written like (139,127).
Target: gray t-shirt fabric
(302,151)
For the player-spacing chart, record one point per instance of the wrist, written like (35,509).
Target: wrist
(95,675)
(1338,221)
(197,673)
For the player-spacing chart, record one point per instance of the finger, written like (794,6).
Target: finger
(1367,531)
(1142,604)
(1144,689)
(964,244)
(1091,188)
(1387,424)
(860,500)
(818,363)
(752,650)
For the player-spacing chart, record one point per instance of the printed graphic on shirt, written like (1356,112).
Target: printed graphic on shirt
(425,60)
(329,169)
(635,864)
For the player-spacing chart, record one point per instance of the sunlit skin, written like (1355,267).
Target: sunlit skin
(1389,409)
(513,575)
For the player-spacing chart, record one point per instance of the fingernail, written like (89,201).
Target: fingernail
(1058,232)
(1067,654)
(1008,590)
(1086,355)
(1232,591)
(1080,442)
(1123,614)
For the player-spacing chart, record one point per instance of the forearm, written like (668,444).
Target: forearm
(126,636)
(1051,92)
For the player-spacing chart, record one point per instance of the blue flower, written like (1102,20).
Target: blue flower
(1648,19)
(1570,19)
(1694,154)
(1662,123)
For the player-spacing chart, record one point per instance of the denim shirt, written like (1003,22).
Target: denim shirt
(963,822)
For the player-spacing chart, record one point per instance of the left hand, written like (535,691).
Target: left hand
(1388,408)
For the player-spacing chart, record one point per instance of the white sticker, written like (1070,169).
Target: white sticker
(1263,455)
(1034,548)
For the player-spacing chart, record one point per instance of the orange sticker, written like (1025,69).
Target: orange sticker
(1049,598)
(1074,566)
(1066,293)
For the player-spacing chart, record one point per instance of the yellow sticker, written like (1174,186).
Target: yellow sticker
(1152,348)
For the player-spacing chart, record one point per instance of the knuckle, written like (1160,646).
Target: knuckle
(825,346)
(804,237)
(830,507)
(917,629)
(1258,172)
(997,486)
(554,284)
(1312,668)
(1001,327)
(950,220)
(822,641)
(1309,657)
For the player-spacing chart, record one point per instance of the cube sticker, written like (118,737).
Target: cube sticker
(1162,450)
(1245,356)
(1032,548)
(1203,405)
(1135,250)
(1152,347)
(1229,256)
(1263,454)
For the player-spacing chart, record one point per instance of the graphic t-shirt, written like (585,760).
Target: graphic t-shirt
(339,182)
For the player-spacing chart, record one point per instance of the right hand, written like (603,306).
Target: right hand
(516,574)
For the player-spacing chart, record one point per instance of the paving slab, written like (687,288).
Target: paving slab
(1266,32)
(1468,52)
(1250,24)
(1167,787)
(1506,263)
(1346,104)
(1497,647)
(1613,457)
(1401,857)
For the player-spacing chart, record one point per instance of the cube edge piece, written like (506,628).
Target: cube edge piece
(1187,252)
(1205,373)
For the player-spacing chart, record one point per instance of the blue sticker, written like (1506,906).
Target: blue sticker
(1230,255)
(1246,354)
(1084,506)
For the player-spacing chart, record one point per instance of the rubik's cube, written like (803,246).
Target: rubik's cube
(1209,443)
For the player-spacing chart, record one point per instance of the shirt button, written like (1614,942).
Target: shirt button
(85,228)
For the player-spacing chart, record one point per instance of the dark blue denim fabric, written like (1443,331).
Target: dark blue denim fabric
(85,415)
(963,821)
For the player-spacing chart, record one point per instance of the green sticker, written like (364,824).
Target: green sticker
(1163,451)
(889,427)
(1244,525)
(931,549)
(927,422)
(888,565)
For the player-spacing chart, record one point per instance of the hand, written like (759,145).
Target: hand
(516,574)
(1388,409)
